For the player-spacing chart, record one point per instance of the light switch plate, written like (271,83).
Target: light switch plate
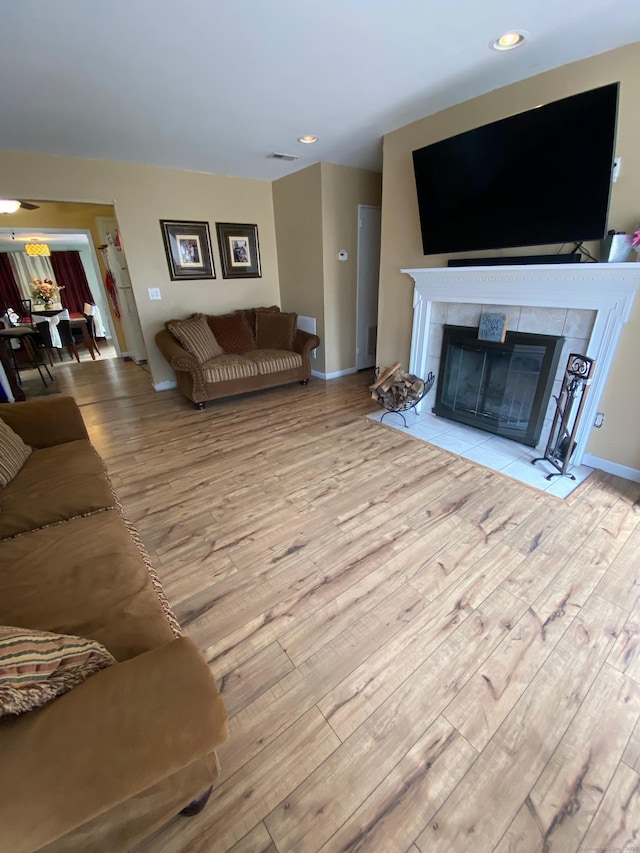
(617,164)
(154,293)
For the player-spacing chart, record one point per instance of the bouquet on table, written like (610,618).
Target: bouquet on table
(46,291)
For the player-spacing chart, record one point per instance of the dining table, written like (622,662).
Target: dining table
(76,321)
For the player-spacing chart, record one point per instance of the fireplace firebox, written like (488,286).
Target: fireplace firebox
(503,388)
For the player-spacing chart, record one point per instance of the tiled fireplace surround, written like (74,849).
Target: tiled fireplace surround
(586,303)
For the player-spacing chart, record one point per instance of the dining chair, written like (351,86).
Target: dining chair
(63,327)
(21,340)
(44,338)
(88,313)
(66,336)
(83,331)
(23,309)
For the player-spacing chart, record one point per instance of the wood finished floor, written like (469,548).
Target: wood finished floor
(416,654)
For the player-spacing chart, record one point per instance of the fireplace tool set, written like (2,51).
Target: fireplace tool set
(569,408)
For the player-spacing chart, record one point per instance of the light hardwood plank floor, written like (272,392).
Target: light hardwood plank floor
(416,653)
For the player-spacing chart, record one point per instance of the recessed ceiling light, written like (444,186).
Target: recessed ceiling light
(507,41)
(308,140)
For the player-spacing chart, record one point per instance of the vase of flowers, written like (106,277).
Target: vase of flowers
(46,291)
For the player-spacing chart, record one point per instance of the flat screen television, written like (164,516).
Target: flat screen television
(535,178)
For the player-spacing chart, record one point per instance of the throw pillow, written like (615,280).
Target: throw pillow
(232,332)
(13,453)
(196,337)
(37,666)
(250,314)
(275,331)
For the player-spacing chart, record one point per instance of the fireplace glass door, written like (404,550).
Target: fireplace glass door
(503,388)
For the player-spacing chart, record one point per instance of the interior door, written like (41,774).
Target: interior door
(369,219)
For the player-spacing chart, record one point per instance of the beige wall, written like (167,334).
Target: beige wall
(297,205)
(70,216)
(316,215)
(343,189)
(142,195)
(618,441)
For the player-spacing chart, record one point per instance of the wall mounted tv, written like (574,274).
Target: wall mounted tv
(538,177)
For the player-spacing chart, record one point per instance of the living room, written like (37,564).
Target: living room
(146,194)
(354,591)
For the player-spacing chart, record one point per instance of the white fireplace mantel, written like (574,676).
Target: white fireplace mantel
(607,289)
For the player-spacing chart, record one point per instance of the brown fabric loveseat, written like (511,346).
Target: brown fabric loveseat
(103,765)
(248,350)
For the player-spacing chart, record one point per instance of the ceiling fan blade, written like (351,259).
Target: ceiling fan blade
(26,205)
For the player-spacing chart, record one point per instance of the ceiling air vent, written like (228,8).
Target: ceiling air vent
(277,156)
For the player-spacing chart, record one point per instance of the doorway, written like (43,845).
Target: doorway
(369,225)
(92,231)
(69,240)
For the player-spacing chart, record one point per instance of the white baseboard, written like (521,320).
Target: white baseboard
(335,374)
(611,467)
(167,385)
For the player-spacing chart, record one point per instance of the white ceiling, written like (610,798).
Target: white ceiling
(216,85)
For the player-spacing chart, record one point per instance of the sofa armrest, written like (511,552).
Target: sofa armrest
(181,360)
(117,734)
(45,421)
(304,342)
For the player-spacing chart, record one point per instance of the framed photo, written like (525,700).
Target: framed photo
(188,249)
(239,250)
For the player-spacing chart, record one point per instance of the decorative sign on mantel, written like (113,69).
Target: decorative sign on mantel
(493,327)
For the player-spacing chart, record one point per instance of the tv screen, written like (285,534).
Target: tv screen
(539,177)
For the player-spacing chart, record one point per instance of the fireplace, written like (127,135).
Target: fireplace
(503,388)
(607,290)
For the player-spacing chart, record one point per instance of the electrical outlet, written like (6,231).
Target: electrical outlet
(599,420)
(154,293)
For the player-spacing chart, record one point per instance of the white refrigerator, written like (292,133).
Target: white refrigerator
(115,261)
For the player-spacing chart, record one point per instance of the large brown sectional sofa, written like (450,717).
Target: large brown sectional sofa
(253,348)
(103,765)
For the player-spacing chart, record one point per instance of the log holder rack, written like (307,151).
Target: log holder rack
(407,405)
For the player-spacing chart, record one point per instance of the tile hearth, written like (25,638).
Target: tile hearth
(499,454)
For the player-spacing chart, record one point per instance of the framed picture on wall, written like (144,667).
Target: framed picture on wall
(188,249)
(239,250)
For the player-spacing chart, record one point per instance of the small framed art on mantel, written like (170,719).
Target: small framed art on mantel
(188,249)
(239,250)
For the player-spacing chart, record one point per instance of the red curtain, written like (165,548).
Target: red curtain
(9,293)
(69,273)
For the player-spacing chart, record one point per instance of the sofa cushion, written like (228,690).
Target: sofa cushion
(55,483)
(37,666)
(13,453)
(275,331)
(227,367)
(232,332)
(84,577)
(196,337)
(274,360)
(45,421)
